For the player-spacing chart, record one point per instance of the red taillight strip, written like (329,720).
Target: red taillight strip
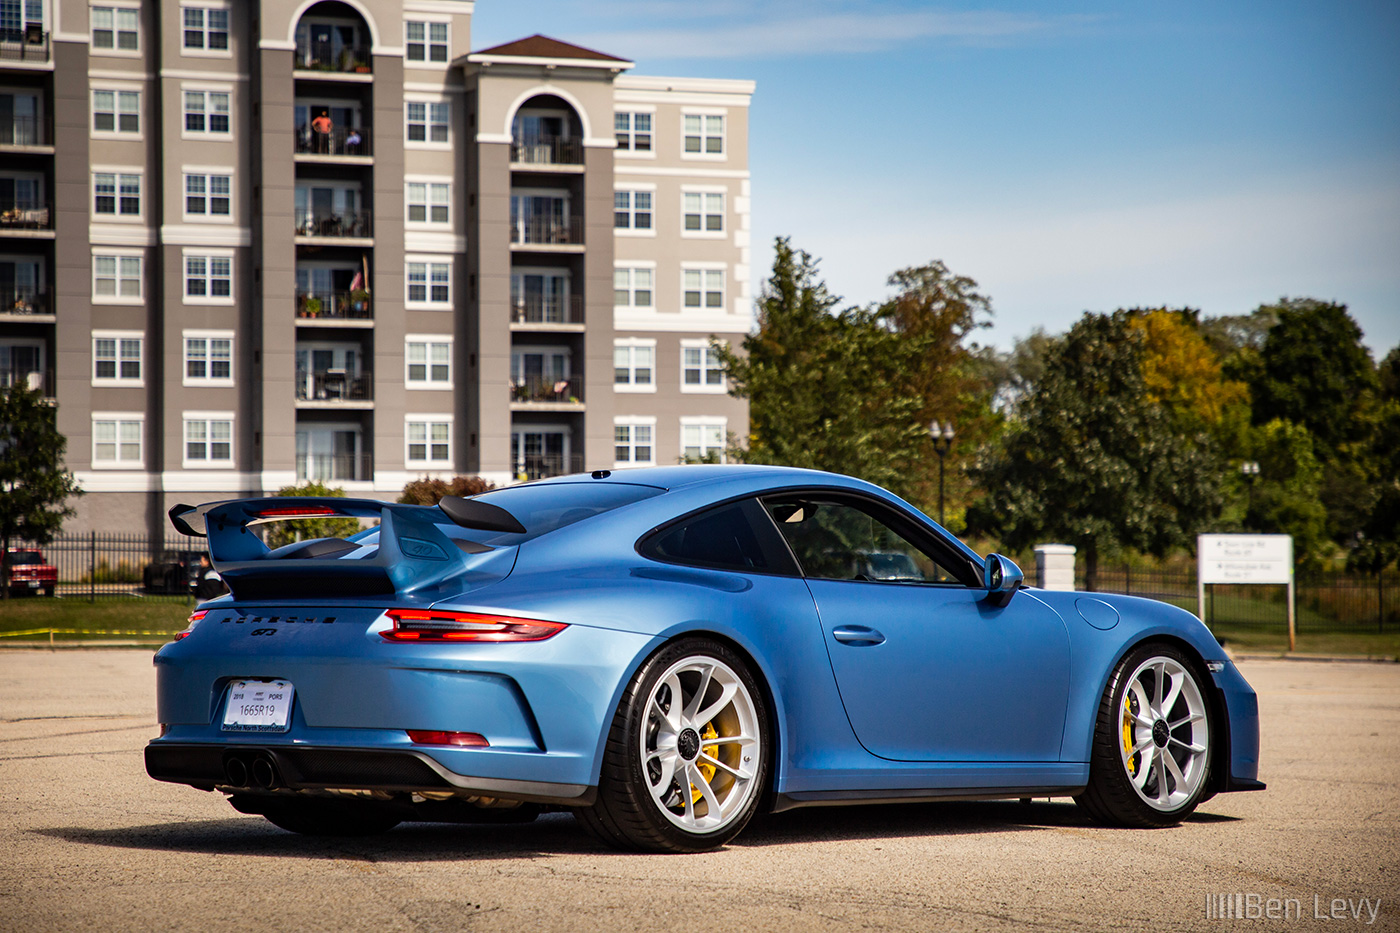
(440,626)
(292,511)
(459,739)
(195,617)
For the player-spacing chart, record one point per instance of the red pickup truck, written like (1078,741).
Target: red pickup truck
(30,573)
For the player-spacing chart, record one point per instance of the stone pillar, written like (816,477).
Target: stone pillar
(1054,566)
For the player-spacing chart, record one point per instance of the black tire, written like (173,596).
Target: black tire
(1162,784)
(645,807)
(316,817)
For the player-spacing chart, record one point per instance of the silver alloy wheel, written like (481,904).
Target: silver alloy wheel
(700,749)
(1164,733)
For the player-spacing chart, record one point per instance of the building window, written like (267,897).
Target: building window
(116,112)
(209,277)
(633,131)
(701,370)
(704,288)
(428,442)
(429,283)
(208,195)
(633,442)
(632,210)
(425,42)
(703,439)
(427,202)
(116,277)
(116,441)
(427,122)
(632,288)
(114,28)
(208,360)
(207,112)
(429,364)
(116,194)
(116,359)
(633,365)
(704,211)
(704,134)
(206,29)
(208,441)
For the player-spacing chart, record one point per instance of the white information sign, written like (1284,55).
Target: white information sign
(1245,558)
(1264,559)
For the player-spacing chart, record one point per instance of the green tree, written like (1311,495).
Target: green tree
(427,491)
(827,389)
(34,483)
(1285,499)
(1092,461)
(305,529)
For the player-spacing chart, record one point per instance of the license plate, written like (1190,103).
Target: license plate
(258,706)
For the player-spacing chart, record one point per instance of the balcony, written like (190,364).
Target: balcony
(333,224)
(534,391)
(30,44)
(338,142)
(38,379)
(546,150)
(315,56)
(543,466)
(335,308)
(335,387)
(322,468)
(536,312)
(25,215)
(20,303)
(22,131)
(547,231)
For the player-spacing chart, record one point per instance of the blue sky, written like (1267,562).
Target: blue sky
(1067,156)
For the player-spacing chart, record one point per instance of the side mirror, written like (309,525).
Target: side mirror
(1002,578)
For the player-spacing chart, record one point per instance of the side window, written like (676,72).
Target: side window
(737,536)
(834,538)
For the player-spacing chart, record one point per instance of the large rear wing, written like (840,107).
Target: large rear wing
(414,552)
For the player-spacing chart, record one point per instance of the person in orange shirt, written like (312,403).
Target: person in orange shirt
(321,126)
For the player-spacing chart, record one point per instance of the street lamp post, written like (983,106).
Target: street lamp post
(942,435)
(1250,471)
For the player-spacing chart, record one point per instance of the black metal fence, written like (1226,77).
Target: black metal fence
(1325,602)
(106,566)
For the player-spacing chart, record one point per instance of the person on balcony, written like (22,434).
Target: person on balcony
(322,127)
(352,142)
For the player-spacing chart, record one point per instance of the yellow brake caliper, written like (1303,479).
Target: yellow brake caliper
(705,768)
(1129,733)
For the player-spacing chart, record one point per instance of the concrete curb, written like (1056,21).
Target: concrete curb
(1331,658)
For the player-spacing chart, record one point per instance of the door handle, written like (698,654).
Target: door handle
(857,636)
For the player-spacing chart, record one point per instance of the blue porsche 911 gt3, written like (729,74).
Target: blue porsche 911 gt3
(665,651)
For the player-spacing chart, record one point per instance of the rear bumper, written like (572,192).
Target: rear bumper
(1242,736)
(303,767)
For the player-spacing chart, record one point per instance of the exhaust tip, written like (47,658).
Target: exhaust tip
(264,773)
(236,772)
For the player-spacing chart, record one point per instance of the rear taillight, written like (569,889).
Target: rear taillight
(297,511)
(438,626)
(195,618)
(459,739)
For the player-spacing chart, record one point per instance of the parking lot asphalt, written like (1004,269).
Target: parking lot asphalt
(88,842)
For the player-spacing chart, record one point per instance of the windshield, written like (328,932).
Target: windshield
(546,507)
(25,557)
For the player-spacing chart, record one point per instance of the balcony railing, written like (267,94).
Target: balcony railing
(344,60)
(318,305)
(540,310)
(339,141)
(547,230)
(546,150)
(543,466)
(30,44)
(339,467)
(21,130)
(39,379)
(26,215)
(541,389)
(334,385)
(16,301)
(333,223)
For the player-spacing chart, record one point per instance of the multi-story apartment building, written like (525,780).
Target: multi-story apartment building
(249,242)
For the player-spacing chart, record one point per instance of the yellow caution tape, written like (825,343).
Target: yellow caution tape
(84,631)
